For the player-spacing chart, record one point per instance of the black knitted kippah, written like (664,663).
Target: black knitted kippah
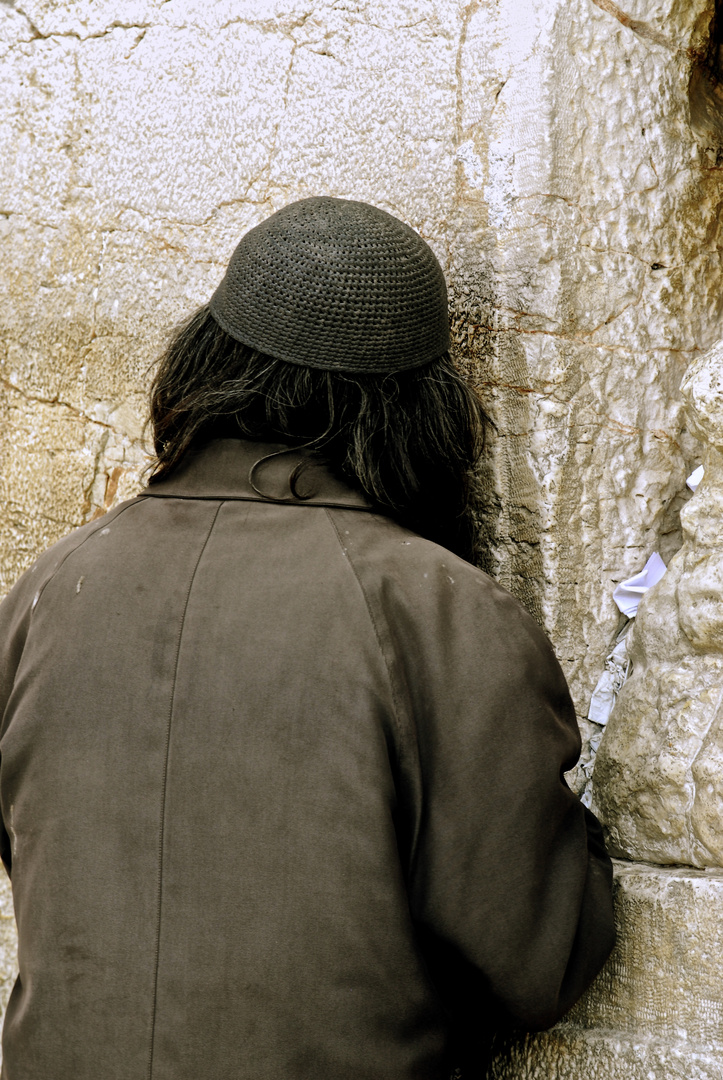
(335,284)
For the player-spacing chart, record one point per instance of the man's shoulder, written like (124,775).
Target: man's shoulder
(464,642)
(382,542)
(37,575)
(403,569)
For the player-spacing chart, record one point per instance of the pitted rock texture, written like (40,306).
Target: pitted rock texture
(590,430)
(545,153)
(664,979)
(8,943)
(658,779)
(573,1054)
(656,1010)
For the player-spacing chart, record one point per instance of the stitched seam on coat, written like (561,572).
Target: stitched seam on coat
(101,524)
(377,635)
(403,734)
(162,827)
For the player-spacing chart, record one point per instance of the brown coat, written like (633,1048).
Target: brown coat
(265,766)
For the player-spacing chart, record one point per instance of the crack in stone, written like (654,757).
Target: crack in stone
(136,43)
(517,314)
(628,255)
(642,29)
(398,26)
(467,14)
(37,399)
(97,463)
(583,339)
(612,424)
(39,35)
(99,270)
(19,510)
(271,26)
(285,100)
(265,171)
(542,394)
(7,214)
(266,26)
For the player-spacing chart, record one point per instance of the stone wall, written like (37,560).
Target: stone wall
(562,159)
(543,149)
(659,773)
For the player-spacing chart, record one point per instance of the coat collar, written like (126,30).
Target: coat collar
(258,472)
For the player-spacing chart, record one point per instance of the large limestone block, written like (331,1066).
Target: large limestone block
(574,1054)
(658,779)
(656,1010)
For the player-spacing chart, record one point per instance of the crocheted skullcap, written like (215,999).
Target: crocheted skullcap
(335,284)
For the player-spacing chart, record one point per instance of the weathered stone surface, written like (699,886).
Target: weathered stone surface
(658,780)
(664,979)
(594,424)
(57,470)
(543,150)
(8,942)
(656,1010)
(570,1053)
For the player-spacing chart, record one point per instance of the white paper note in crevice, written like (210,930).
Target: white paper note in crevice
(628,594)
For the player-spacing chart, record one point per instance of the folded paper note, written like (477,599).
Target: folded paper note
(629,593)
(695,478)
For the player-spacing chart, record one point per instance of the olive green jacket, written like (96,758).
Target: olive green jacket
(282,794)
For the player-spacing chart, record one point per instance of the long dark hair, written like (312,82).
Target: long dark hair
(410,440)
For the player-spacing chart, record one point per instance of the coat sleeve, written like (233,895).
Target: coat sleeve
(17,608)
(15,614)
(510,884)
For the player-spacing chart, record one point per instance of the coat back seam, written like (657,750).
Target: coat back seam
(164,786)
(402,732)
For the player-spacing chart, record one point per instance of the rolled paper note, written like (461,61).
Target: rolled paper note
(603,698)
(695,478)
(617,667)
(628,594)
